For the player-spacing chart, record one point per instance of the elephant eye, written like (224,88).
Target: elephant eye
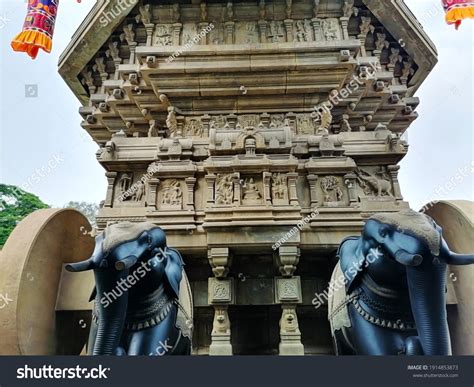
(383,232)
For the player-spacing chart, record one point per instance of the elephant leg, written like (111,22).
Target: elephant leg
(413,346)
(341,345)
(371,339)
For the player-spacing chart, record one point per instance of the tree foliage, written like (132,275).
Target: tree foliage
(15,204)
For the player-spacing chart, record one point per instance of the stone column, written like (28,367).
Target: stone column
(202,26)
(152,193)
(109,197)
(133,47)
(229,32)
(289,29)
(350,182)
(237,189)
(317,29)
(190,182)
(267,195)
(313,192)
(393,170)
(293,197)
(206,119)
(288,294)
(149,27)
(220,295)
(176,33)
(344,23)
(262,28)
(210,180)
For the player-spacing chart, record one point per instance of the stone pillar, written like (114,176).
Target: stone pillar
(152,193)
(176,33)
(206,119)
(149,27)
(237,189)
(289,29)
(267,195)
(190,182)
(317,29)
(220,295)
(133,47)
(229,32)
(202,26)
(344,23)
(350,182)
(362,38)
(313,192)
(393,170)
(292,121)
(109,197)
(210,180)
(262,28)
(293,197)
(288,294)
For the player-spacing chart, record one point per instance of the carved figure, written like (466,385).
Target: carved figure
(251,191)
(140,192)
(172,123)
(172,194)
(279,186)
(224,189)
(331,189)
(379,185)
(392,300)
(136,319)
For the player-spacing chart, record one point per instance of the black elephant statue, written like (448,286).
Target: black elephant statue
(387,291)
(137,287)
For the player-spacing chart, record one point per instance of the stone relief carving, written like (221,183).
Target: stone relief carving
(246,33)
(194,127)
(331,189)
(172,194)
(248,120)
(218,122)
(331,29)
(277,120)
(305,124)
(163,35)
(303,31)
(276,31)
(279,188)
(125,183)
(172,123)
(140,192)
(251,193)
(224,189)
(374,184)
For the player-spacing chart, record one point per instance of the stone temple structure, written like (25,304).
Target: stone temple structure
(257,134)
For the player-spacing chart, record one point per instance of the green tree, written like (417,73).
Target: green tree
(15,204)
(88,209)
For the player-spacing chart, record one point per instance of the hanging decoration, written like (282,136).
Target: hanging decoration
(457,10)
(38,28)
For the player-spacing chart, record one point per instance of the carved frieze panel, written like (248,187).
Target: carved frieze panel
(171,195)
(331,29)
(252,191)
(189,32)
(279,189)
(275,31)
(194,127)
(305,124)
(375,183)
(332,189)
(163,35)
(303,31)
(224,189)
(129,189)
(220,290)
(246,33)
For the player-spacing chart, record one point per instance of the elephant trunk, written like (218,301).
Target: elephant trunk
(112,310)
(426,284)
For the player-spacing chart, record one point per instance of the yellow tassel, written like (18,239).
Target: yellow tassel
(455,15)
(30,42)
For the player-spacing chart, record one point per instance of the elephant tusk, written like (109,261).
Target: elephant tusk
(407,259)
(126,263)
(80,266)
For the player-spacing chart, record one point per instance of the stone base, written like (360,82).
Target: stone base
(220,348)
(291,349)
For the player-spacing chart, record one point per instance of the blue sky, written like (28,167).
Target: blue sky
(41,143)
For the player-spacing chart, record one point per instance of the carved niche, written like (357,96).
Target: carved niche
(224,189)
(331,29)
(279,184)
(194,127)
(375,184)
(171,195)
(332,191)
(251,192)
(163,35)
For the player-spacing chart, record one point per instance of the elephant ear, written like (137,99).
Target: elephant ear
(174,270)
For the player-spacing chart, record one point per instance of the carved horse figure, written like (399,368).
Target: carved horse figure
(389,288)
(137,287)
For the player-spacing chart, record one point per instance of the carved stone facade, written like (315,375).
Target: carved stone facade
(221,141)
